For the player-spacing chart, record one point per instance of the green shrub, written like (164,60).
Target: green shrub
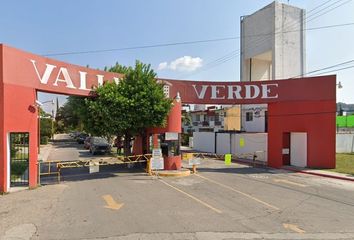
(185,139)
(18,167)
(44,140)
(14,150)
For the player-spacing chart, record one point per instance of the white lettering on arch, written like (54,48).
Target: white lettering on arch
(63,71)
(202,92)
(46,75)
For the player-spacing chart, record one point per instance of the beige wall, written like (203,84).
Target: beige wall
(232,119)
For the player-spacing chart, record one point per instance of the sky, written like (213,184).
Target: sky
(50,27)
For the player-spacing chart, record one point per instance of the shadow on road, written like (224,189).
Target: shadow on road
(235,170)
(83,173)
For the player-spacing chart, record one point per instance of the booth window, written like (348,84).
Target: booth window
(166,90)
(249,116)
(170,148)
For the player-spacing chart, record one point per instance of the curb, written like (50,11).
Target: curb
(321,174)
(173,173)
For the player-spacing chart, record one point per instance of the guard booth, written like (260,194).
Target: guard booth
(170,144)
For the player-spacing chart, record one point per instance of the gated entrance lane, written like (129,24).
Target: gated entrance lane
(147,205)
(221,201)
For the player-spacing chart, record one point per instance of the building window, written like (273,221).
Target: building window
(197,118)
(249,116)
(166,90)
(217,118)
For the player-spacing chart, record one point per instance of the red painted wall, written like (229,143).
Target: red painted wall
(315,118)
(307,89)
(21,116)
(20,71)
(3,183)
(174,123)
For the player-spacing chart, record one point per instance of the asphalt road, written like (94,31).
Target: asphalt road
(66,149)
(220,202)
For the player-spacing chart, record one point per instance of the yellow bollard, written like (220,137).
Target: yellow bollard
(194,168)
(148,167)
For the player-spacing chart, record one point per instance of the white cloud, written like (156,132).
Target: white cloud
(182,64)
(162,66)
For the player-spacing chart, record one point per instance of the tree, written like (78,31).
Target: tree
(72,114)
(186,118)
(46,126)
(128,108)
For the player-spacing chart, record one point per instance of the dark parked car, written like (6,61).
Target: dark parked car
(81,138)
(87,143)
(99,144)
(74,134)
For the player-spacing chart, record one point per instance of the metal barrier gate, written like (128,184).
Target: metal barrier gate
(55,167)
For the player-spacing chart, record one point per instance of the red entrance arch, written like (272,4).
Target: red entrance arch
(298,105)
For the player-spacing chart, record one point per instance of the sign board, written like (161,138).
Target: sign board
(242,142)
(157,163)
(171,136)
(94,167)
(157,159)
(156,153)
(228,159)
(286,151)
(194,161)
(187,156)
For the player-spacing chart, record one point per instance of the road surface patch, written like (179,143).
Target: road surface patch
(289,182)
(242,193)
(193,197)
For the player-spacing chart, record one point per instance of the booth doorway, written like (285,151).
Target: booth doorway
(298,149)
(19,159)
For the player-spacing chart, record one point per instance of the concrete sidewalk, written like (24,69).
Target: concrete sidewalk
(44,152)
(322,173)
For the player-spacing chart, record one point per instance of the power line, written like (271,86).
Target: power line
(260,41)
(337,70)
(235,53)
(225,58)
(141,47)
(336,65)
(186,42)
(329,67)
(309,20)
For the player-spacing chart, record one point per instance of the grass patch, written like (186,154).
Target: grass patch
(344,163)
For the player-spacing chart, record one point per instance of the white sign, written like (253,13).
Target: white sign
(194,161)
(94,167)
(157,163)
(157,159)
(171,136)
(286,151)
(156,153)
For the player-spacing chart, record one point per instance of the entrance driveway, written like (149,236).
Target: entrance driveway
(220,202)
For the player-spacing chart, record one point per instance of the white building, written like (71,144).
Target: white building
(209,120)
(272,47)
